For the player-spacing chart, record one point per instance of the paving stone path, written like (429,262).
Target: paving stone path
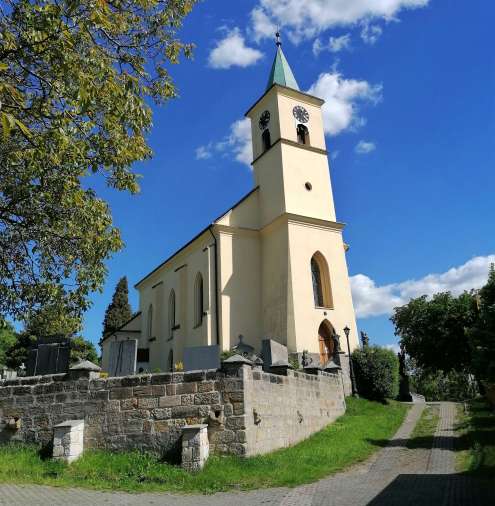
(397,476)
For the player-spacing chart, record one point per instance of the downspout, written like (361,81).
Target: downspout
(217,295)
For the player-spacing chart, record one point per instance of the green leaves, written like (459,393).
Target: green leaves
(75,81)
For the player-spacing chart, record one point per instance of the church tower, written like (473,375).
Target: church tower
(306,297)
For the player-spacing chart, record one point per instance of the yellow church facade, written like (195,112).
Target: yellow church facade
(273,266)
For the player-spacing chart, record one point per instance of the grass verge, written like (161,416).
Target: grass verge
(476,442)
(424,431)
(349,440)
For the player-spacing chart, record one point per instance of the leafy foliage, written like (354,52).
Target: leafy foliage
(76,79)
(48,321)
(482,334)
(8,338)
(434,331)
(80,349)
(377,372)
(439,386)
(119,311)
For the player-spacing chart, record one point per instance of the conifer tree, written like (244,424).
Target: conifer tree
(119,311)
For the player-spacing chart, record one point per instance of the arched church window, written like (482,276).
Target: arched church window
(302,134)
(171,315)
(322,290)
(149,330)
(198,300)
(266,140)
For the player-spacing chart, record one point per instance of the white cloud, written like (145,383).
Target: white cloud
(364,147)
(204,152)
(371,33)
(240,141)
(334,45)
(394,347)
(232,51)
(263,27)
(237,144)
(340,111)
(372,300)
(308,18)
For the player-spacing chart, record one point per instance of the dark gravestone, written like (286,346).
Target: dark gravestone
(201,357)
(50,356)
(273,353)
(123,355)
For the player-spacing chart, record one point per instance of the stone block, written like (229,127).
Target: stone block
(162,413)
(121,393)
(186,388)
(128,404)
(207,398)
(169,401)
(205,386)
(143,391)
(184,411)
(148,402)
(187,399)
(158,390)
(161,379)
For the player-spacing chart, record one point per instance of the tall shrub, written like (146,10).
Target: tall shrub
(119,311)
(377,372)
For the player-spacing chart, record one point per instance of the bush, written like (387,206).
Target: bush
(377,372)
(439,386)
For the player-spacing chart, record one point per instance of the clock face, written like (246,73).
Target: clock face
(300,114)
(264,120)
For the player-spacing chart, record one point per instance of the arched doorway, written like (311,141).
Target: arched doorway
(326,341)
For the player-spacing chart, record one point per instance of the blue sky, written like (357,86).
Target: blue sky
(410,121)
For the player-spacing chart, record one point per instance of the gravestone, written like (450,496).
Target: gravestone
(244,349)
(273,353)
(201,357)
(123,355)
(51,355)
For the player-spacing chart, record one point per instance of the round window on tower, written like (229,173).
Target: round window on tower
(308,186)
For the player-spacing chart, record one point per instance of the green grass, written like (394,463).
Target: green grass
(351,439)
(423,432)
(476,444)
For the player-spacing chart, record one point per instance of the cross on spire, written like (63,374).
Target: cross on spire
(277,39)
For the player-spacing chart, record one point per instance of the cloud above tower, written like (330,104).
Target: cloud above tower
(307,19)
(231,51)
(343,98)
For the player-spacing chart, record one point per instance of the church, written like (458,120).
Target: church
(272,266)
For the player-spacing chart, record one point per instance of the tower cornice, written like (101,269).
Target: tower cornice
(291,143)
(290,92)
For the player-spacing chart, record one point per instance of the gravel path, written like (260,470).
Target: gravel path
(395,476)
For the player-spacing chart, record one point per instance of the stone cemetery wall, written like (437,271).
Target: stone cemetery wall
(283,410)
(148,412)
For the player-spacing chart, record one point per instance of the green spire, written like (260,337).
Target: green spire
(281,72)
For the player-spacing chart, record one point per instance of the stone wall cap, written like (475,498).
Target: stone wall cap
(85,365)
(237,359)
(69,423)
(197,426)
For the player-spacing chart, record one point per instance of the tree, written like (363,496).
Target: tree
(48,321)
(80,349)
(76,81)
(8,338)
(434,331)
(482,333)
(119,310)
